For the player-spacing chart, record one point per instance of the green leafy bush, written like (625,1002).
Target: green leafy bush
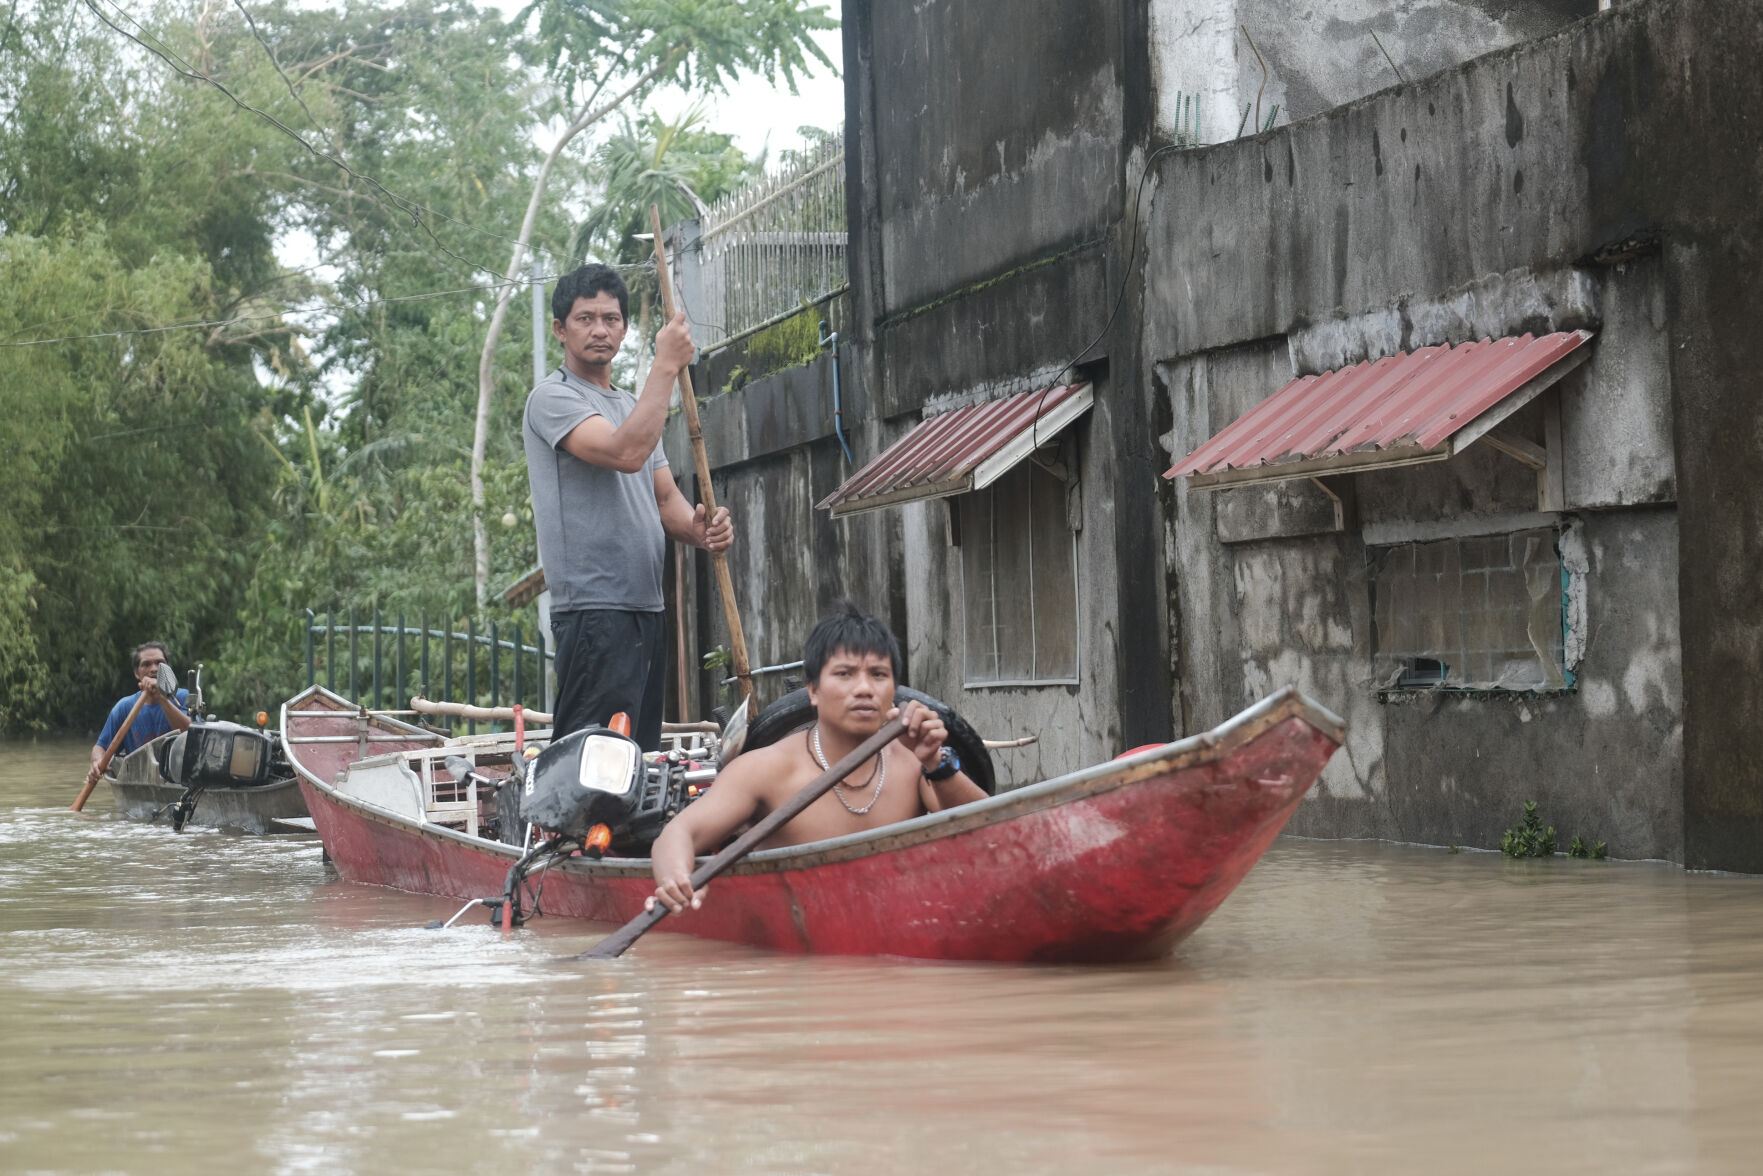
(1531,838)
(1579,849)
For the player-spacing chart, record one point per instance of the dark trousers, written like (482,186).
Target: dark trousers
(610,661)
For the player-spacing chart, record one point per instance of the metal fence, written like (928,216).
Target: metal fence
(766,249)
(381,664)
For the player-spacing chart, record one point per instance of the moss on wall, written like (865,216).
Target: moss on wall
(791,343)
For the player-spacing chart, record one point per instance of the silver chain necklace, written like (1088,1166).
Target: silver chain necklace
(881,774)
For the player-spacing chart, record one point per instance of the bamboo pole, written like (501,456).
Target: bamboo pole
(459,710)
(725,586)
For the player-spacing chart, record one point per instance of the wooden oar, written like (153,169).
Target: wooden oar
(115,742)
(614,945)
(725,587)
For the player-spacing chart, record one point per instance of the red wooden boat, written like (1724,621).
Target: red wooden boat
(1115,862)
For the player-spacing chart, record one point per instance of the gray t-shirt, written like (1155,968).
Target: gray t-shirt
(600,536)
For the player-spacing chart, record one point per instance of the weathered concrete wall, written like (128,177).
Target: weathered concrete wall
(1604,176)
(1264,599)
(990,145)
(1678,128)
(1378,225)
(997,125)
(998,335)
(1322,54)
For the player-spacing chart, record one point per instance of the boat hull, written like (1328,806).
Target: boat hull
(1118,862)
(141,793)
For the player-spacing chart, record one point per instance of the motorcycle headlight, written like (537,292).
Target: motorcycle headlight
(608,764)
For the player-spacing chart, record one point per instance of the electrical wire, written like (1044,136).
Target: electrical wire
(1132,257)
(323,308)
(270,53)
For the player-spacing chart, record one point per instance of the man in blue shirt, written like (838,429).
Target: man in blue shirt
(158,714)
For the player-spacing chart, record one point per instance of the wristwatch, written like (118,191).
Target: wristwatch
(947,765)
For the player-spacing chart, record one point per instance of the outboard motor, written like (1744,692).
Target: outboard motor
(589,777)
(221,754)
(588,792)
(224,755)
(595,777)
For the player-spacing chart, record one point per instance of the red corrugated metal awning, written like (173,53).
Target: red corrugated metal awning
(1402,410)
(959,451)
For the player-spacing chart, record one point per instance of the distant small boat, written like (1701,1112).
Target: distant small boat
(144,794)
(1116,862)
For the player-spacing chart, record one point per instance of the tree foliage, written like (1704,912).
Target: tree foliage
(205,442)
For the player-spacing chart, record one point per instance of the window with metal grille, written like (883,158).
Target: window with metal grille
(1019,581)
(1483,613)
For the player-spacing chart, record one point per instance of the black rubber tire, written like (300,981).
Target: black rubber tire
(793,712)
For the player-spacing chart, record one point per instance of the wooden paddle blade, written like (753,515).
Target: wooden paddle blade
(617,943)
(79,802)
(734,736)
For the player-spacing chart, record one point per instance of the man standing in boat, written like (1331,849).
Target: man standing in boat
(852,662)
(604,506)
(158,713)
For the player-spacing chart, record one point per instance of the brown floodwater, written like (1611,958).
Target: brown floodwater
(209,1003)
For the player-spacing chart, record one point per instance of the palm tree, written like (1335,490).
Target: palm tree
(675,166)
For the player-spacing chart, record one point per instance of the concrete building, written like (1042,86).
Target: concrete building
(1562,607)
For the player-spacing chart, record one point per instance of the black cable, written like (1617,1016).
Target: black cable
(323,308)
(539,895)
(270,53)
(1132,256)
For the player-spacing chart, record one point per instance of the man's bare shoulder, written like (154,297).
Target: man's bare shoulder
(768,759)
(763,769)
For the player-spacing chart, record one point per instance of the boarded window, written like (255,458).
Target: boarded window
(1019,580)
(1480,614)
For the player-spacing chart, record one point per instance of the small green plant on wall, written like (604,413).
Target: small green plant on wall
(1579,849)
(1531,838)
(1534,839)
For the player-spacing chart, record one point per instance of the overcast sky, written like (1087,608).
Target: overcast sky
(753,109)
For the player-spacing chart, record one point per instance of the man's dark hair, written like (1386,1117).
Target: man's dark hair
(143,647)
(853,631)
(585,281)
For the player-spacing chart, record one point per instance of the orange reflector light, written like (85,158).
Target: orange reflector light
(621,723)
(599,840)
(263,718)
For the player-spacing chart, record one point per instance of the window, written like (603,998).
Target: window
(1019,580)
(1480,614)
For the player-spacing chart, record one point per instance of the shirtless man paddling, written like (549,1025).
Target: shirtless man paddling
(852,663)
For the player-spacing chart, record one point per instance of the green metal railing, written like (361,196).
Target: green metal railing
(423,660)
